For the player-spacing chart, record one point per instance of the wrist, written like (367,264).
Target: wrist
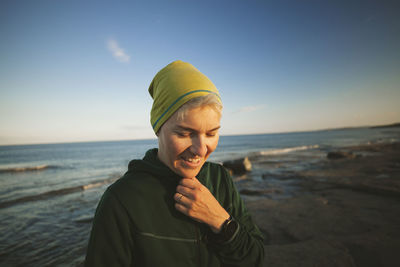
(228,231)
(218,223)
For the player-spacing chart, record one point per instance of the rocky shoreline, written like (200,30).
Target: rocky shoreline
(346,212)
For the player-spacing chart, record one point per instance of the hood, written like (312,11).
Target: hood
(152,165)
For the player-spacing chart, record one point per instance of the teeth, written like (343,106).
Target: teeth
(193,160)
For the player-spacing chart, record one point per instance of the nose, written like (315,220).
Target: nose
(199,146)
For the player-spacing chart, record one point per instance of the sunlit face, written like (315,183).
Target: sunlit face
(184,145)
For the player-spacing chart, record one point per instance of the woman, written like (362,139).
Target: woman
(173,208)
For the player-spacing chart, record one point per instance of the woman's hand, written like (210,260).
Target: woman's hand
(196,201)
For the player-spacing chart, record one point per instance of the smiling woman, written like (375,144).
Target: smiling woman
(185,144)
(173,207)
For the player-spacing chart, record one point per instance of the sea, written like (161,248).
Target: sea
(49,192)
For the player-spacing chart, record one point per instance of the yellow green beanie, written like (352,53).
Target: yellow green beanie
(173,86)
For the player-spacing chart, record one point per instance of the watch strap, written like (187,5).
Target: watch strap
(229,230)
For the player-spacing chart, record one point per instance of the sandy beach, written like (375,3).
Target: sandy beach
(345,213)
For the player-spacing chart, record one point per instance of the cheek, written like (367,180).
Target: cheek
(178,146)
(170,147)
(212,145)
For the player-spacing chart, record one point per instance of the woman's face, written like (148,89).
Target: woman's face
(184,145)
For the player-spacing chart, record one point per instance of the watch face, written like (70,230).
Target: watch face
(230,229)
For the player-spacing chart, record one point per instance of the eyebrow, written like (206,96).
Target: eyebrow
(193,130)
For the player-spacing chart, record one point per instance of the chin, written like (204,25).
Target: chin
(188,173)
(182,169)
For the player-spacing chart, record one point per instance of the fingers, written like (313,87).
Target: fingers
(190,182)
(181,208)
(193,200)
(189,187)
(178,197)
(186,191)
(182,200)
(200,205)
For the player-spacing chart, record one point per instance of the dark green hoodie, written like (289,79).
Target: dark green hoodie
(136,223)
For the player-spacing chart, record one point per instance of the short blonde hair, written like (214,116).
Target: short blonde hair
(210,100)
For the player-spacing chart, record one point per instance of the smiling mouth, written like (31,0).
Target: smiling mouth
(192,161)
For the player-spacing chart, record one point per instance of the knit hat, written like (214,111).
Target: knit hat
(173,86)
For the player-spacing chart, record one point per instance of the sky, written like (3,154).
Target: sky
(75,71)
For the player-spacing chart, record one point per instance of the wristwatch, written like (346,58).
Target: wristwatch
(229,230)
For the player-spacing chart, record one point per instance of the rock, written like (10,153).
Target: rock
(238,166)
(344,215)
(320,252)
(341,155)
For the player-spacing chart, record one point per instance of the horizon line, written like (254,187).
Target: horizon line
(395,124)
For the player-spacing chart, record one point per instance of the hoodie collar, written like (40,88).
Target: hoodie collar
(151,164)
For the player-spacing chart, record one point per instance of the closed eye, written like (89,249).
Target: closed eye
(183,134)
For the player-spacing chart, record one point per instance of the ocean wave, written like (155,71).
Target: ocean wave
(29,168)
(58,192)
(286,150)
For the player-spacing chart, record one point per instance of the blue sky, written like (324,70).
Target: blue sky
(79,70)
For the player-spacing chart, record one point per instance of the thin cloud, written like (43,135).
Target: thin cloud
(248,109)
(117,52)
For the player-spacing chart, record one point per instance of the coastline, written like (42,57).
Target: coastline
(346,212)
(299,198)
